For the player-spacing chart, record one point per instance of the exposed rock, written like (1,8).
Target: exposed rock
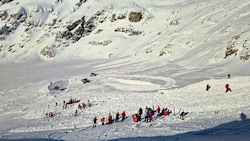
(3,15)
(135,16)
(5,1)
(130,31)
(104,43)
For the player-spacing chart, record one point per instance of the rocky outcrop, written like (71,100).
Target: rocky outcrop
(238,46)
(134,16)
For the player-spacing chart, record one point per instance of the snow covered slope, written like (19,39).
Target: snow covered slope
(208,30)
(145,53)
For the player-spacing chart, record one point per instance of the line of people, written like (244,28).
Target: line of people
(149,113)
(110,119)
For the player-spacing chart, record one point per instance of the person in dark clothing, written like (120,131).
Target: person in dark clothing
(95,120)
(138,117)
(117,117)
(140,111)
(208,87)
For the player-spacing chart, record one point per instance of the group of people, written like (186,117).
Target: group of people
(149,113)
(84,105)
(226,86)
(71,101)
(110,119)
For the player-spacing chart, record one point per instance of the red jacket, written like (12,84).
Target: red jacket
(103,120)
(123,114)
(227,86)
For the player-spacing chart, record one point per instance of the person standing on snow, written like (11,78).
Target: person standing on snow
(140,111)
(110,120)
(103,120)
(147,114)
(158,110)
(123,115)
(117,117)
(95,120)
(208,87)
(227,88)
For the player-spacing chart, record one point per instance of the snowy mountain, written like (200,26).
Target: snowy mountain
(122,56)
(38,29)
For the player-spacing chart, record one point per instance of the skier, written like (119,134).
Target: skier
(103,120)
(95,120)
(123,115)
(228,76)
(208,87)
(227,88)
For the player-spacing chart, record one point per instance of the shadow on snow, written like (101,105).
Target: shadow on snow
(231,131)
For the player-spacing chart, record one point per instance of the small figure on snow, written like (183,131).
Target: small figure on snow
(228,76)
(158,110)
(123,115)
(76,113)
(110,120)
(140,111)
(51,114)
(103,120)
(151,113)
(80,106)
(84,105)
(95,120)
(165,112)
(117,117)
(182,115)
(64,105)
(227,88)
(147,114)
(138,117)
(208,87)
(89,104)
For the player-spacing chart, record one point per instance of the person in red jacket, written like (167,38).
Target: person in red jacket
(103,120)
(227,88)
(158,110)
(123,115)
(110,120)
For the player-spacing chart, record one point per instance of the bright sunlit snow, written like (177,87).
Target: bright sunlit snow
(91,52)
